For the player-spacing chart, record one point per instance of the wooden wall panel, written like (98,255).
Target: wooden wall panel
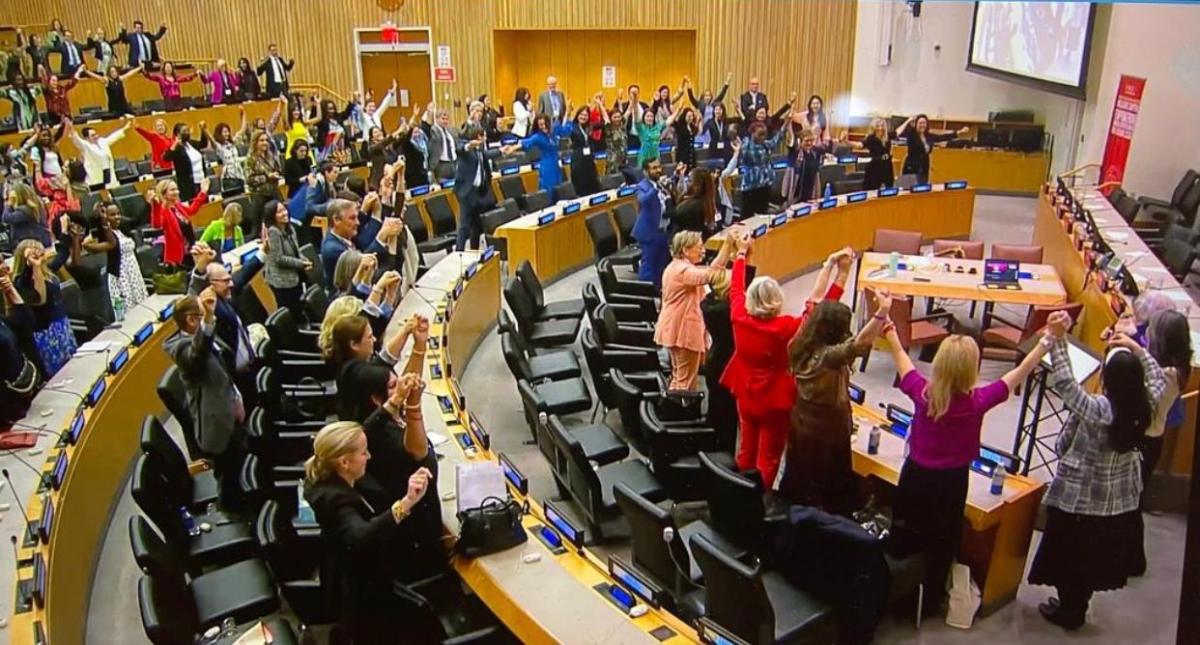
(806,46)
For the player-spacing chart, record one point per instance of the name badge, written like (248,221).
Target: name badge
(587,151)
(228,91)
(720,145)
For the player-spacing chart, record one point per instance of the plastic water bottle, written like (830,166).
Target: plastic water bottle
(998,479)
(873,440)
(118,305)
(189,522)
(893,264)
(828,190)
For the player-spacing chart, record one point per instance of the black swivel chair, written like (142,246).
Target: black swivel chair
(294,556)
(539,333)
(759,606)
(201,489)
(565,191)
(172,393)
(426,243)
(1157,208)
(560,309)
(735,505)
(605,243)
(613,284)
(552,367)
(674,447)
(536,201)
(493,220)
(315,274)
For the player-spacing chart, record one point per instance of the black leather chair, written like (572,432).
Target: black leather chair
(289,338)
(1185,209)
(660,550)
(558,310)
(294,556)
(536,201)
(1161,206)
(759,606)
(611,331)
(280,443)
(551,367)
(173,394)
(735,505)
(597,440)
(493,220)
(611,283)
(201,489)
(632,310)
(557,397)
(625,214)
(437,206)
(306,400)
(229,540)
(642,361)
(314,301)
(591,486)
(512,187)
(611,182)
(674,447)
(605,243)
(539,333)
(565,191)
(175,609)
(315,274)
(426,242)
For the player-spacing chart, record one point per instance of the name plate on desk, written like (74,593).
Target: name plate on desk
(47,520)
(417,191)
(598,199)
(513,476)
(801,210)
(456,294)
(847,160)
(247,256)
(71,436)
(118,361)
(779,165)
(854,198)
(97,391)
(957,184)
(921,188)
(481,435)
(59,473)
(488,253)
(760,231)
(556,519)
(446,183)
(39,581)
(545,218)
(779,220)
(640,585)
(857,394)
(572,208)
(142,335)
(828,203)
(888,192)
(472,269)
(164,314)
(900,419)
(626,191)
(512,170)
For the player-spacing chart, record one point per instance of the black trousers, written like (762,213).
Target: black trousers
(227,466)
(289,297)
(928,519)
(756,201)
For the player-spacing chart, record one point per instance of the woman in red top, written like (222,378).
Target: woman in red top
(160,143)
(174,217)
(757,375)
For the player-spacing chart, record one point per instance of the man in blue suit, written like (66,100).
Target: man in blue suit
(473,186)
(312,197)
(650,228)
(342,215)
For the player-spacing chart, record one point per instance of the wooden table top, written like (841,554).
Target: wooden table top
(946,281)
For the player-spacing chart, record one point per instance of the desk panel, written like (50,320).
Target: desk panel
(1044,287)
(991,170)
(561,246)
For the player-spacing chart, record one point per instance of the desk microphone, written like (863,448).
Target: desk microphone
(20,507)
(668,535)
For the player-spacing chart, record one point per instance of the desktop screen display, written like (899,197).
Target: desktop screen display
(998,271)
(142,335)
(60,471)
(633,581)
(1041,44)
(562,525)
(47,521)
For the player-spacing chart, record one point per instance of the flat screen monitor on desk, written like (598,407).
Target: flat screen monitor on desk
(1000,274)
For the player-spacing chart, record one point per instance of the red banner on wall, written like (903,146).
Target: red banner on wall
(1120,130)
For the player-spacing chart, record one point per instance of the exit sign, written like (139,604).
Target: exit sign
(443,74)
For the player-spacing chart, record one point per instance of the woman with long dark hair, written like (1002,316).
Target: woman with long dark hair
(698,207)
(544,139)
(1169,339)
(921,141)
(262,174)
(757,174)
(686,126)
(39,287)
(170,84)
(114,89)
(583,159)
(285,267)
(522,115)
(248,86)
(1092,538)
(716,134)
(297,166)
(817,470)
(813,118)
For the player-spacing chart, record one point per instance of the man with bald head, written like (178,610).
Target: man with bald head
(552,103)
(211,277)
(752,100)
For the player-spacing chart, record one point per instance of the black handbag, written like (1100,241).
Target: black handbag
(494,525)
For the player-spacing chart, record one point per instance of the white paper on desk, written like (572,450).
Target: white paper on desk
(1179,296)
(437,439)
(476,482)
(1133,255)
(1083,365)
(1119,236)
(1154,270)
(96,346)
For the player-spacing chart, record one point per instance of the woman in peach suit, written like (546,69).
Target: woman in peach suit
(680,325)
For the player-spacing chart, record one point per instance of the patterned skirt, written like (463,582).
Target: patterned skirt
(55,344)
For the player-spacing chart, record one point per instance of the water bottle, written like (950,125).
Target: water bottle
(893,264)
(189,522)
(873,440)
(998,479)
(118,306)
(828,190)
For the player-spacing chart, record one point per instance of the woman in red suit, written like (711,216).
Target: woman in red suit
(173,216)
(757,375)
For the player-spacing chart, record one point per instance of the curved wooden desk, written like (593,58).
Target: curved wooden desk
(549,601)
(97,468)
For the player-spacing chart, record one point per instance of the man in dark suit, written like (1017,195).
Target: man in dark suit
(753,99)
(71,53)
(442,146)
(473,186)
(276,71)
(342,215)
(212,275)
(552,103)
(213,400)
(143,47)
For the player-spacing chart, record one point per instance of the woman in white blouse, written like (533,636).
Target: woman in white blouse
(522,115)
(97,152)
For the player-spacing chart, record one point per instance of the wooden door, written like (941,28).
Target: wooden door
(412,73)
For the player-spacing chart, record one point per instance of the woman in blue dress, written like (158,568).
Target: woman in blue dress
(544,139)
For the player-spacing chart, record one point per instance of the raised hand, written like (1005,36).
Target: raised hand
(1058,323)
(883,301)
(417,484)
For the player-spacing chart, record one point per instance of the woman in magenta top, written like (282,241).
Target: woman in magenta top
(168,82)
(942,442)
(680,325)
